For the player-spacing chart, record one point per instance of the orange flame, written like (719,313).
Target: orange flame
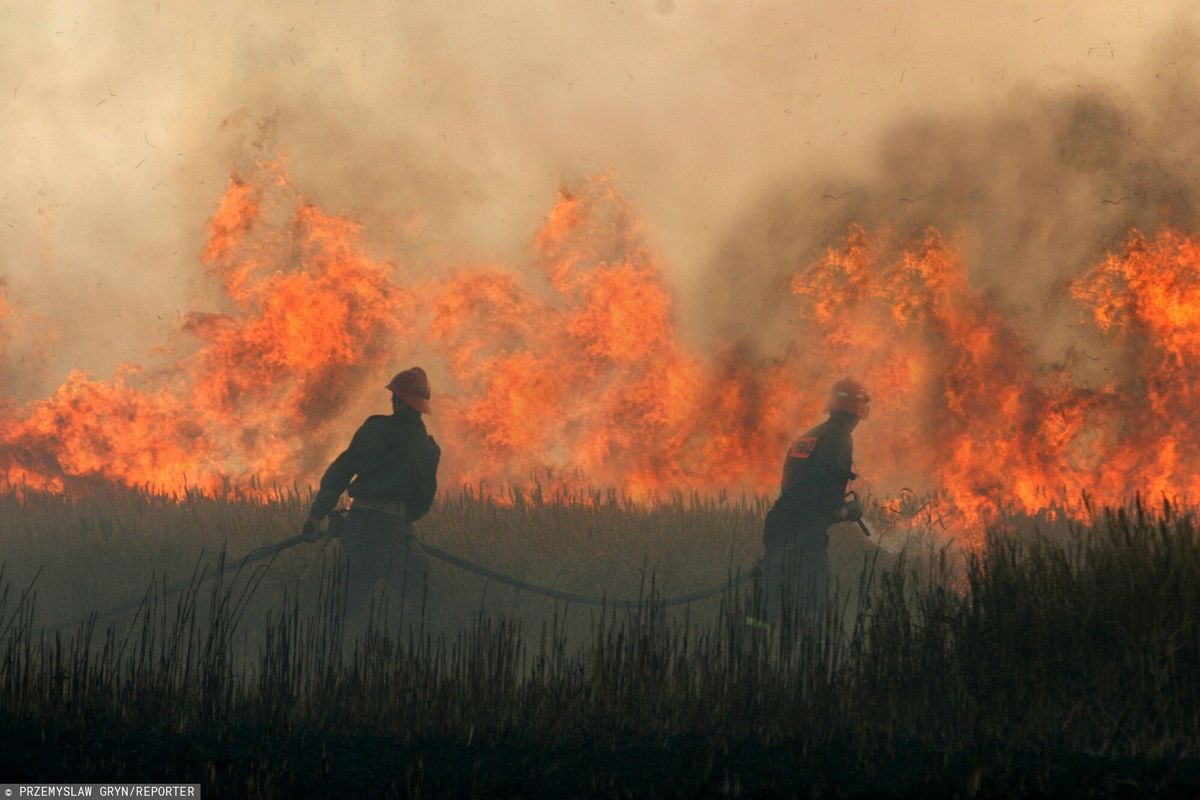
(575,372)
(593,381)
(961,407)
(311,317)
(1148,300)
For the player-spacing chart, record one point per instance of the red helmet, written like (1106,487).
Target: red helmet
(412,386)
(850,396)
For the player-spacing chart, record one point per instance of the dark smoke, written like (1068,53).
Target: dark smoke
(1034,192)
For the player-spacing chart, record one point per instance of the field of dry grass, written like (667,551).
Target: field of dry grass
(91,551)
(1060,663)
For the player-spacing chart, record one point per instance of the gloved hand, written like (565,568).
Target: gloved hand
(312,529)
(853,511)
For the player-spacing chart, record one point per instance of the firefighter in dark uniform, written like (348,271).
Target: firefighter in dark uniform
(816,473)
(390,473)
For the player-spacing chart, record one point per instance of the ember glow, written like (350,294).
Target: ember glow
(571,371)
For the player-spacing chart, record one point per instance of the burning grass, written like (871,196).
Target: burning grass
(576,362)
(1060,663)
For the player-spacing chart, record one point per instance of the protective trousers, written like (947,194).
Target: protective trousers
(385,569)
(795,579)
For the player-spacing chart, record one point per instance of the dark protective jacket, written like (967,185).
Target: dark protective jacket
(818,467)
(390,458)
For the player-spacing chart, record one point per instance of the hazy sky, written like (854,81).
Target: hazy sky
(447,127)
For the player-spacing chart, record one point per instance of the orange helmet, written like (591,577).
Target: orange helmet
(412,386)
(850,396)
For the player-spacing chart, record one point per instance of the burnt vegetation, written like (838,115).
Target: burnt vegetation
(1061,661)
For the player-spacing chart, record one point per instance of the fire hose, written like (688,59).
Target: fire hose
(582,599)
(271,550)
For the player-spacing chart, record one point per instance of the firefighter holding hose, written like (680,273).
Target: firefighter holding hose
(390,473)
(816,473)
